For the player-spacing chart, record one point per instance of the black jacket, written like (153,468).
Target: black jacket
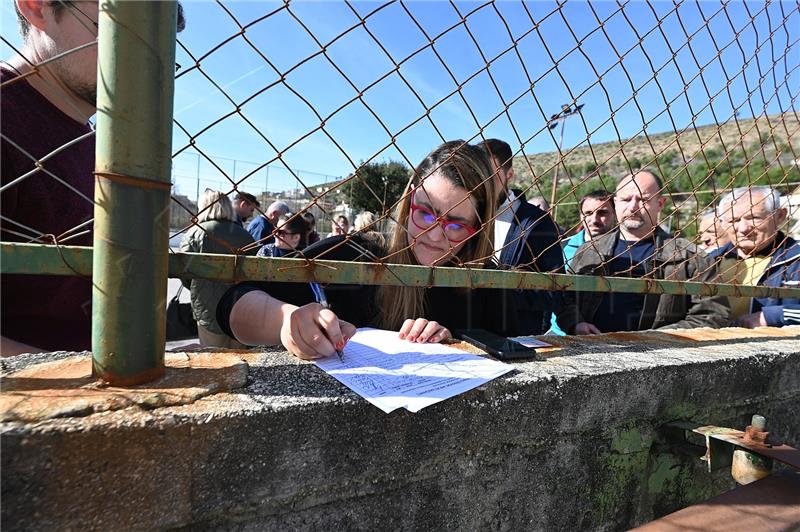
(454,308)
(532,244)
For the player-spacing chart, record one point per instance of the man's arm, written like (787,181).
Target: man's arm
(704,311)
(9,347)
(570,317)
(781,315)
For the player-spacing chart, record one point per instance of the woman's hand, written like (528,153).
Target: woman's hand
(421,331)
(312,331)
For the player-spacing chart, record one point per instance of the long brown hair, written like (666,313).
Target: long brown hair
(467,167)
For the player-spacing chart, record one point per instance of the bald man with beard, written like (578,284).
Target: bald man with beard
(639,248)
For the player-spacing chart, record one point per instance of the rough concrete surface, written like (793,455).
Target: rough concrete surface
(568,443)
(66,388)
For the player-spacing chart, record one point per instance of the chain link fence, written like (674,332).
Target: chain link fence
(700,94)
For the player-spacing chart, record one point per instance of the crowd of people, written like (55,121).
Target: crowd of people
(458,210)
(740,241)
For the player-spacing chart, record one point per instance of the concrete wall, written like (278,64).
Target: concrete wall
(565,444)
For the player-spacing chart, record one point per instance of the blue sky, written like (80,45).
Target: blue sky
(545,35)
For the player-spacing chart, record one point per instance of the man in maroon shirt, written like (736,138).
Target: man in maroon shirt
(42,112)
(48,96)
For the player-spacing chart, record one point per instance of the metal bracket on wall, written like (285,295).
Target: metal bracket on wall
(721,442)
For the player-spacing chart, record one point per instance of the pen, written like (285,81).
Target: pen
(319,295)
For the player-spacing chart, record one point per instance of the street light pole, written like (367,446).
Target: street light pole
(555,174)
(561,117)
(385,180)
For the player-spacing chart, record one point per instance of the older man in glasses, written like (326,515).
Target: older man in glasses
(759,254)
(48,96)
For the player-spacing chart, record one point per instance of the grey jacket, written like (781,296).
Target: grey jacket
(676,259)
(219,237)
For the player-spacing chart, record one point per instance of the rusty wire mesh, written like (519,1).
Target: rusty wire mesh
(698,161)
(702,94)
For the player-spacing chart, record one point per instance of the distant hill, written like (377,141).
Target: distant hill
(697,165)
(781,130)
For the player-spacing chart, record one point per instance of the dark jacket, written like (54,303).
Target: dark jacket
(219,237)
(676,259)
(453,307)
(532,243)
(261,230)
(783,270)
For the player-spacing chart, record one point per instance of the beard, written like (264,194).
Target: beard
(633,223)
(87,93)
(82,83)
(597,231)
(503,196)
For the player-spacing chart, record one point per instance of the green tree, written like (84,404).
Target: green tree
(377,186)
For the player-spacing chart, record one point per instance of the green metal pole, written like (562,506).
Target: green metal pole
(136,68)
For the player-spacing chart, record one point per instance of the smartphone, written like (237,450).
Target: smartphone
(498,346)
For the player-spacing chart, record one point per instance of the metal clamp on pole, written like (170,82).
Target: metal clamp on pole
(135,86)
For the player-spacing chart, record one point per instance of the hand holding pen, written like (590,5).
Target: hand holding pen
(312,331)
(322,299)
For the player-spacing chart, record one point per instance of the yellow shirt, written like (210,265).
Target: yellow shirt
(744,272)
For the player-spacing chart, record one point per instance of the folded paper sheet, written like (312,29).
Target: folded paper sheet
(391,373)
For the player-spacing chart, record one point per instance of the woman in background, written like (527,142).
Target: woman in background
(218,232)
(312,237)
(290,235)
(339,226)
(363,221)
(365,224)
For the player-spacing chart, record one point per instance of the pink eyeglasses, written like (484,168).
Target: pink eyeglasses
(424,218)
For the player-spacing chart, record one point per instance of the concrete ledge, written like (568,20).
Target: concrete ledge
(568,443)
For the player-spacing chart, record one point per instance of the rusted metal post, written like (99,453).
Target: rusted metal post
(748,467)
(136,65)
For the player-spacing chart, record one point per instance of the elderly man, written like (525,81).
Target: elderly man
(262,226)
(47,98)
(712,233)
(639,248)
(597,214)
(524,237)
(244,205)
(762,254)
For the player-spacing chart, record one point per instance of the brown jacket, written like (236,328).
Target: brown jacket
(676,259)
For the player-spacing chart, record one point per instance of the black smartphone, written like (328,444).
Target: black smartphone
(498,346)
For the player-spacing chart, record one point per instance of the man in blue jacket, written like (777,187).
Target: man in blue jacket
(769,257)
(597,214)
(263,225)
(525,237)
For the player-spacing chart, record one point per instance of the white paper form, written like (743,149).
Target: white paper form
(391,373)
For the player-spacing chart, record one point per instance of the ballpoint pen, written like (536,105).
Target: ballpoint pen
(319,295)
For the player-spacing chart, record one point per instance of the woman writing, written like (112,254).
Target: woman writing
(443,219)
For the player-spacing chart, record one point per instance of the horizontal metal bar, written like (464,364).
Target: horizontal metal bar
(75,260)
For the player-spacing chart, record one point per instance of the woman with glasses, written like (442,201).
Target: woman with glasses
(289,237)
(444,219)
